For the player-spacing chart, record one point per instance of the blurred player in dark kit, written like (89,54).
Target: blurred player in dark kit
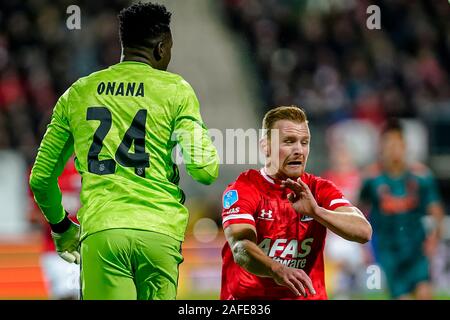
(400,194)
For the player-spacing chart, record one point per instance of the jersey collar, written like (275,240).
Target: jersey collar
(275,182)
(272,181)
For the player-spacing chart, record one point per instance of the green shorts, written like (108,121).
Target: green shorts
(404,274)
(129,264)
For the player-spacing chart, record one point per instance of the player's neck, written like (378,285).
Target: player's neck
(274,174)
(130,54)
(270,172)
(395,169)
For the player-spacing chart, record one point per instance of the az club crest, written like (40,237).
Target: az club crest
(230,198)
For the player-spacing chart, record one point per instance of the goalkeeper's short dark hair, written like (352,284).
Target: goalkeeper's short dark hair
(143,24)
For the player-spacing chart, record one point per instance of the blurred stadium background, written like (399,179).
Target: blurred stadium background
(241,57)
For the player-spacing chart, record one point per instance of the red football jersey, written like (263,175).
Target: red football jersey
(292,239)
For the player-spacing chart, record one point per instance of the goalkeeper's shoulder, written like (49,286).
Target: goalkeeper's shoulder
(177,80)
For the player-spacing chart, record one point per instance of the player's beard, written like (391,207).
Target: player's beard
(293,173)
(284,170)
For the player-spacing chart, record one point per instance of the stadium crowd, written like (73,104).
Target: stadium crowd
(317,54)
(40,58)
(321,55)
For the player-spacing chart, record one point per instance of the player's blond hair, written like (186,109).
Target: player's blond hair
(292,113)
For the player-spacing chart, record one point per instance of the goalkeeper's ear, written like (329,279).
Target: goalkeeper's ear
(157,51)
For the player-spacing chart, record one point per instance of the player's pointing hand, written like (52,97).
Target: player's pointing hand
(301,198)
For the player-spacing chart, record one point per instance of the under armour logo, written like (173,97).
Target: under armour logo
(267,215)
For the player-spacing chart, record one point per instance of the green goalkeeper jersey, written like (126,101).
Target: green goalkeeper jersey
(123,123)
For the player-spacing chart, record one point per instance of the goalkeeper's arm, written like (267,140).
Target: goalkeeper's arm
(55,149)
(199,153)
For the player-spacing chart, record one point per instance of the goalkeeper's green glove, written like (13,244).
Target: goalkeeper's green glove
(66,236)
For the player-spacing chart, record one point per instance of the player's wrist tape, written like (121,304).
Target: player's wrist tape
(61,226)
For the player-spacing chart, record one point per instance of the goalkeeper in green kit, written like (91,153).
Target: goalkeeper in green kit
(122,123)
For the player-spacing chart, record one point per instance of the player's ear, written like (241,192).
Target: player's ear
(265,146)
(158,51)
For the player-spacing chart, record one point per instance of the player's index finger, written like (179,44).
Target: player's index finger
(291,286)
(301,183)
(292,185)
(299,285)
(307,281)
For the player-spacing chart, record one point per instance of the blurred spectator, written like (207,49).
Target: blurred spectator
(343,171)
(40,58)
